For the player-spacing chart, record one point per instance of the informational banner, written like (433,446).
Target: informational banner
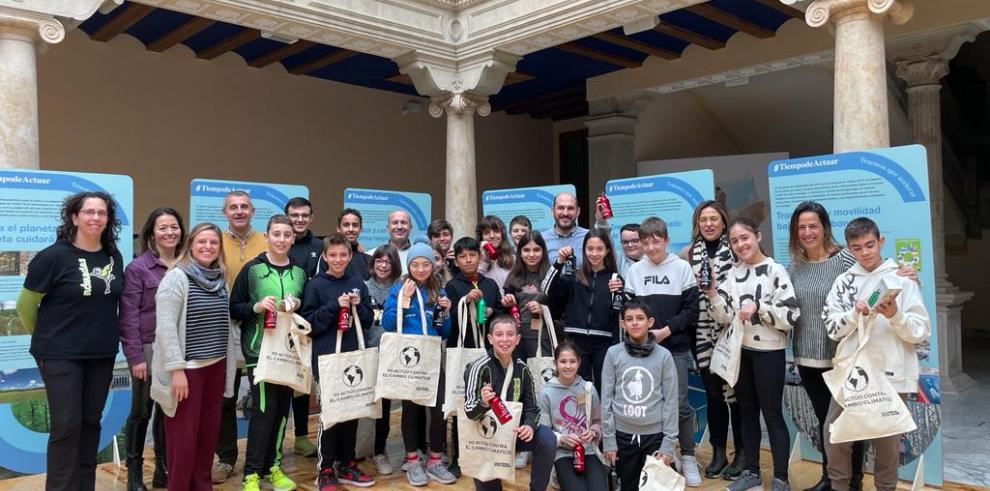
(535,203)
(671,197)
(30,211)
(889,186)
(206,200)
(375,206)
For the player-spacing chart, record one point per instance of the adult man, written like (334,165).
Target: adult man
(307,248)
(631,251)
(349,223)
(565,231)
(241,243)
(399,226)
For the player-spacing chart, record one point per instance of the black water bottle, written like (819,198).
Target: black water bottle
(439,315)
(570,266)
(705,275)
(616,296)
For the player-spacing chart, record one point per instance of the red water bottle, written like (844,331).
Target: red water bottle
(606,206)
(579,457)
(269,319)
(501,412)
(514,312)
(344,319)
(491,251)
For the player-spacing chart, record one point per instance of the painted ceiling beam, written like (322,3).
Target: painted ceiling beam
(123,21)
(720,16)
(595,54)
(636,45)
(281,53)
(323,61)
(231,43)
(688,35)
(185,31)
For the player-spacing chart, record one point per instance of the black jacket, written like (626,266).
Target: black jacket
(359,263)
(320,308)
(488,370)
(457,288)
(306,252)
(587,308)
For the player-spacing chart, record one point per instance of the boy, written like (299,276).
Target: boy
(483,379)
(467,282)
(639,408)
(667,285)
(897,325)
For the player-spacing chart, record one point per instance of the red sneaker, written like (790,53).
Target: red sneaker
(351,474)
(326,480)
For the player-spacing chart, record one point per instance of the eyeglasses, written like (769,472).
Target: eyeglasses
(94,213)
(629,242)
(299,216)
(382,261)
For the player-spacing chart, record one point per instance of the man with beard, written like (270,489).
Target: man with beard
(565,231)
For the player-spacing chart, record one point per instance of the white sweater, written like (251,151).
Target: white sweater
(892,341)
(769,286)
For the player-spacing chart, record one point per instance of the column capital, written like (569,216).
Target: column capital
(460,104)
(30,26)
(821,12)
(483,74)
(928,71)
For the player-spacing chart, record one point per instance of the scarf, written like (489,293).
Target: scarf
(640,350)
(209,279)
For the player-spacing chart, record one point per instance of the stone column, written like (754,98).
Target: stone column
(21,34)
(611,141)
(461,195)
(860,105)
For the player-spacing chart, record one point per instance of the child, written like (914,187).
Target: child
(326,294)
(491,229)
(639,403)
(757,295)
(263,285)
(562,409)
(522,288)
(485,376)
(667,285)
(896,326)
(385,272)
(421,266)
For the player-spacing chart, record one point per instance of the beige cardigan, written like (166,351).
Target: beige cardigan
(170,341)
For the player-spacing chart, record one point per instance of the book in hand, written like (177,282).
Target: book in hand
(884,290)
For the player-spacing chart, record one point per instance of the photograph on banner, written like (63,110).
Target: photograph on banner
(206,200)
(740,182)
(375,206)
(889,186)
(533,202)
(31,213)
(671,197)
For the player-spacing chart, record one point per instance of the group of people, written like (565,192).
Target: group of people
(191,310)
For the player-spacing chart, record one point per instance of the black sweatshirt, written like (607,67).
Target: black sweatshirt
(587,308)
(488,370)
(320,308)
(457,288)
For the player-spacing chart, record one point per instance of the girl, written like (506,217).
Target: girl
(491,229)
(442,272)
(522,288)
(758,297)
(639,398)
(195,349)
(562,409)
(590,319)
(161,238)
(421,277)
(385,271)
(711,244)
(267,283)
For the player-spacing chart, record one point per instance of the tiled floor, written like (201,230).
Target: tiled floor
(966,421)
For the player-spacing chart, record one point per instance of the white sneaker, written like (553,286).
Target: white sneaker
(553,478)
(382,464)
(522,459)
(690,471)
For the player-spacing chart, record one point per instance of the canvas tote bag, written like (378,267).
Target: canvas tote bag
(542,367)
(871,407)
(727,353)
(347,381)
(286,354)
(409,365)
(460,357)
(488,448)
(657,476)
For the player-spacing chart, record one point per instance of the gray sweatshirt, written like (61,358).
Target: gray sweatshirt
(563,410)
(639,396)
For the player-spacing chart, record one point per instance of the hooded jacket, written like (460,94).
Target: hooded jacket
(587,308)
(307,252)
(769,286)
(639,396)
(488,370)
(458,287)
(891,341)
(563,410)
(259,279)
(670,290)
(412,322)
(320,308)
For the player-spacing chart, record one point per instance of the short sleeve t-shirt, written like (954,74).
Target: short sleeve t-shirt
(77,317)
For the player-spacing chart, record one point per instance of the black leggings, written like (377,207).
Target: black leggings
(382,427)
(720,413)
(593,349)
(814,385)
(592,479)
(414,426)
(760,389)
(300,415)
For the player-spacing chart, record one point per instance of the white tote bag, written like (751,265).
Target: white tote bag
(409,365)
(347,381)
(542,367)
(460,357)
(488,448)
(589,390)
(871,407)
(727,354)
(657,476)
(286,354)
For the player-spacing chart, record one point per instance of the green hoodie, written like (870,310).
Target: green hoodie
(257,280)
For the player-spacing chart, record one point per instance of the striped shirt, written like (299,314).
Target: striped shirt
(207,324)
(812,282)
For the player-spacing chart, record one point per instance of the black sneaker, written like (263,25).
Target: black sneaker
(734,470)
(326,481)
(351,474)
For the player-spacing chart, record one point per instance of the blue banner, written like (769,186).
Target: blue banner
(889,186)
(206,200)
(375,206)
(30,213)
(535,203)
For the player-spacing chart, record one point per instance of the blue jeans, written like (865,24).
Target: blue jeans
(544,447)
(685,413)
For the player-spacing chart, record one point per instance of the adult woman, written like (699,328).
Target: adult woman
(757,297)
(161,237)
(421,295)
(385,272)
(522,288)
(589,319)
(69,303)
(711,244)
(491,230)
(194,352)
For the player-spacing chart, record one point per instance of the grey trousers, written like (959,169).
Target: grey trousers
(685,413)
(887,457)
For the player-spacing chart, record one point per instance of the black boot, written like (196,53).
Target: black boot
(160,480)
(135,478)
(856,482)
(734,470)
(824,484)
(134,437)
(719,463)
